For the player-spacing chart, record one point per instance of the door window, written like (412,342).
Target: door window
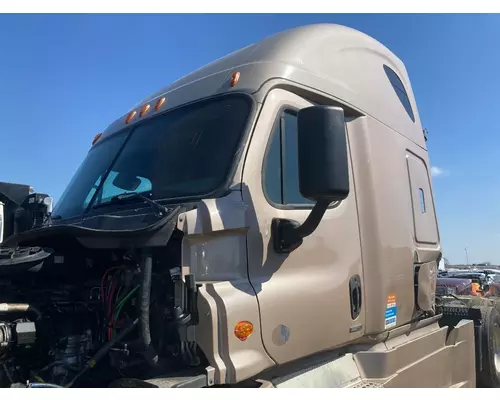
(281,165)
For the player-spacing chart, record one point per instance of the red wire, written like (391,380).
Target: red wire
(114,286)
(108,289)
(108,298)
(104,278)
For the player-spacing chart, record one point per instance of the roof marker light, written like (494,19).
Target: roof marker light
(160,103)
(96,138)
(145,108)
(130,116)
(234,79)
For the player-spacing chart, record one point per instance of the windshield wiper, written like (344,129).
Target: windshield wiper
(124,197)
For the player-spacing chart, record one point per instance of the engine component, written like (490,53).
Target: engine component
(5,336)
(6,308)
(103,351)
(145,295)
(25,333)
(82,318)
(19,333)
(73,353)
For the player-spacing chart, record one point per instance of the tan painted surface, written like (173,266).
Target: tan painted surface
(429,360)
(306,291)
(214,248)
(299,302)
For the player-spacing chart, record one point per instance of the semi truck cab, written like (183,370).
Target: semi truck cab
(284,193)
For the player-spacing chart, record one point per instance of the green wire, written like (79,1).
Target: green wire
(119,292)
(122,303)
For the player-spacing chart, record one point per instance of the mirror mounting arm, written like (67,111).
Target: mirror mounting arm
(288,234)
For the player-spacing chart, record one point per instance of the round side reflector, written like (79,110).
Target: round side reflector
(243,330)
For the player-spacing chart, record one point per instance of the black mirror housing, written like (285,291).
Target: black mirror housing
(323,160)
(323,172)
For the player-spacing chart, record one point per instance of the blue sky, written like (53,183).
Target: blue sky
(65,77)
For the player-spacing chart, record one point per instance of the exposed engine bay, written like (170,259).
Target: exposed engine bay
(85,318)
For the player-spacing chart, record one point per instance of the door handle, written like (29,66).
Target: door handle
(355,296)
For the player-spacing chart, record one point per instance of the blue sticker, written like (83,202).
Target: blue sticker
(391,311)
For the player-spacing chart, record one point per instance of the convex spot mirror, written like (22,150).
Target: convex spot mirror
(126,182)
(322,147)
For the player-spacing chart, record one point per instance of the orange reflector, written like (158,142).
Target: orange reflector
(145,108)
(234,79)
(159,103)
(243,330)
(96,138)
(130,117)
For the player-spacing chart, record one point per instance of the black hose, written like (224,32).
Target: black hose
(56,363)
(35,312)
(145,301)
(103,351)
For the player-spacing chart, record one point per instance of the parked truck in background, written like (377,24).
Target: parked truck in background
(265,221)
(21,208)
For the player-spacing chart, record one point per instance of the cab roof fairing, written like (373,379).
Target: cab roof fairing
(339,61)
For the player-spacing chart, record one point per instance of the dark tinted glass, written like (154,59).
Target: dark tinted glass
(291,193)
(187,152)
(83,184)
(400,91)
(272,171)
(281,166)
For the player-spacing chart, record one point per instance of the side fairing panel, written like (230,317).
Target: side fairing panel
(214,249)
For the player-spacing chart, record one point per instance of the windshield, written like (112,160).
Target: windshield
(185,153)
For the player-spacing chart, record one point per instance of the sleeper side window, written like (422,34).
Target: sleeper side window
(400,91)
(281,166)
(424,217)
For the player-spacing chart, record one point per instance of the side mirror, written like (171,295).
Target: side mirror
(323,171)
(322,147)
(126,181)
(49,203)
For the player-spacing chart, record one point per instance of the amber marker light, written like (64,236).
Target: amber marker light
(145,108)
(130,117)
(160,103)
(96,138)
(243,330)
(234,79)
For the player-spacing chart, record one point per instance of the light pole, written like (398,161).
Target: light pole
(466,257)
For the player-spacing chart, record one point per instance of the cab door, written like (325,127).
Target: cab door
(310,299)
